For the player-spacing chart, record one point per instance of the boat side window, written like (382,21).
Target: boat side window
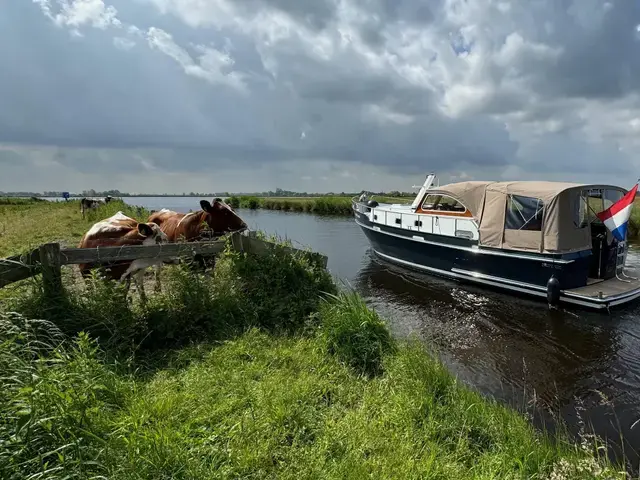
(442,203)
(581,211)
(591,202)
(610,197)
(524,213)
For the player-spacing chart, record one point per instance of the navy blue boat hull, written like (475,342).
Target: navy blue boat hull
(456,257)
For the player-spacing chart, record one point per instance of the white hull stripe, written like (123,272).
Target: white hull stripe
(522,287)
(468,249)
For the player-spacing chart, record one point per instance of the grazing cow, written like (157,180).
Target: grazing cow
(92,203)
(120,230)
(212,221)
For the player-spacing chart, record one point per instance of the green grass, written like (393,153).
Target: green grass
(20,201)
(24,226)
(634,222)
(259,370)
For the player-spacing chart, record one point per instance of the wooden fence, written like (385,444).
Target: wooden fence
(49,258)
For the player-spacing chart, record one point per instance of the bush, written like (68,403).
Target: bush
(234,201)
(354,333)
(281,289)
(251,202)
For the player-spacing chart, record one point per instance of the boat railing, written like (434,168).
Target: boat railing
(425,222)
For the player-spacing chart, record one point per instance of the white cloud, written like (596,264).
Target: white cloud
(77,13)
(211,65)
(123,43)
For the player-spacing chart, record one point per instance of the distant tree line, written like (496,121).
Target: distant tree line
(278,192)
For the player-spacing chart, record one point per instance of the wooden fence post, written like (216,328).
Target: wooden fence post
(51,271)
(236,242)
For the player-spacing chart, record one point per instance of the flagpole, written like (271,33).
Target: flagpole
(625,249)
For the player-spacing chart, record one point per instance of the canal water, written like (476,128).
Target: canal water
(582,367)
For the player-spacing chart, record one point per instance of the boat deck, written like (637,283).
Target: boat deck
(606,292)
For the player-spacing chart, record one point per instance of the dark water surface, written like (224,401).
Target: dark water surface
(584,366)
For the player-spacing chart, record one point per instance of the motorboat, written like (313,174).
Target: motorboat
(538,238)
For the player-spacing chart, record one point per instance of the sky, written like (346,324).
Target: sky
(325,95)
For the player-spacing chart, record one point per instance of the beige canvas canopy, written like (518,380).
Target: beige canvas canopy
(526,215)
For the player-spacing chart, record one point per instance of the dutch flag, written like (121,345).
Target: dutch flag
(616,217)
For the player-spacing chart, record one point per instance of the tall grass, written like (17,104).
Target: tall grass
(56,401)
(354,333)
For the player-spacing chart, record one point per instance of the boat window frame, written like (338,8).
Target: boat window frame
(591,212)
(443,212)
(539,210)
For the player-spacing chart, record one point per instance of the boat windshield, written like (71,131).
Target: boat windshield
(592,202)
(442,203)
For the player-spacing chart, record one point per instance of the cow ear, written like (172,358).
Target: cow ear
(145,230)
(205,205)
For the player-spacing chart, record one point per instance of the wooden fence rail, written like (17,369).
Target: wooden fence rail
(48,258)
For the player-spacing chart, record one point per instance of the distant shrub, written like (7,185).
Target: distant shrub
(251,202)
(234,201)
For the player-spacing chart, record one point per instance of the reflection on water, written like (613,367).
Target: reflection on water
(514,349)
(518,350)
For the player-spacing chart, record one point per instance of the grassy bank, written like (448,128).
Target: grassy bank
(318,205)
(634,221)
(259,370)
(29,223)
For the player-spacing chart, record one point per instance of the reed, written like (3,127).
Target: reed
(328,205)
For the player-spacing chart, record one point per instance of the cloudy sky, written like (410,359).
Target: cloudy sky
(322,95)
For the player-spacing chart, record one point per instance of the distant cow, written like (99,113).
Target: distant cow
(92,203)
(120,230)
(212,221)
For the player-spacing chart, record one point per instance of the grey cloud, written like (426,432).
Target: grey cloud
(11,158)
(599,59)
(316,14)
(390,11)
(136,102)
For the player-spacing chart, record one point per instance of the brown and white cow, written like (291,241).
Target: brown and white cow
(92,203)
(213,220)
(120,230)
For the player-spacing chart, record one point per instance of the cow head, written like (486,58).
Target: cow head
(152,234)
(221,218)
